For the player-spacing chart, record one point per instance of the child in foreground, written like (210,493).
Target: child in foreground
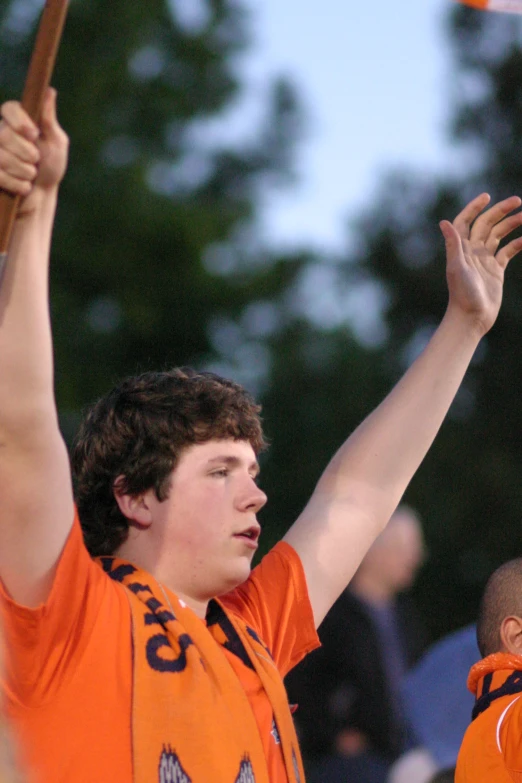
(491,751)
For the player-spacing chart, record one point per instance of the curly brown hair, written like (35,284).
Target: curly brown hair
(138,432)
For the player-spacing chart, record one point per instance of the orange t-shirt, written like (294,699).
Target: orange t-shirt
(69,669)
(491,751)
(491,748)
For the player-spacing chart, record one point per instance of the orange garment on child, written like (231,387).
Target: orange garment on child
(70,668)
(491,751)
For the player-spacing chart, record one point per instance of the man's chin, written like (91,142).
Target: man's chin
(235,578)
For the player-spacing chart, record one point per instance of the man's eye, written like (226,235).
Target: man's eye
(221,473)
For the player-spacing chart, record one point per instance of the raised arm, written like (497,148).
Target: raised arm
(366,479)
(35,485)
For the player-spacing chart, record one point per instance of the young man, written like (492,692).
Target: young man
(491,748)
(121,671)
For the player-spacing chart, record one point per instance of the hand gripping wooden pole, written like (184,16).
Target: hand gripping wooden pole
(38,79)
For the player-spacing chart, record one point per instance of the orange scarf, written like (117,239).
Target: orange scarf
(192,721)
(491,678)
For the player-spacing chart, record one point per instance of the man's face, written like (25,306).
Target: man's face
(396,556)
(206,531)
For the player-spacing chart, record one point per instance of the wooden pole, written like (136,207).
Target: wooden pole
(36,83)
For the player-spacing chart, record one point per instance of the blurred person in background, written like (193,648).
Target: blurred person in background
(351,711)
(127,668)
(491,751)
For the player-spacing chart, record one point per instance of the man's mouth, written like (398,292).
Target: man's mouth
(250,534)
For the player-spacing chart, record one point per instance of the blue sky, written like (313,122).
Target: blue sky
(374,78)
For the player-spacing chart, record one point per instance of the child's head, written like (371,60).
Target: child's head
(499,624)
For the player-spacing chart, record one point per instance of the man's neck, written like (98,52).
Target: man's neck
(135,554)
(198,607)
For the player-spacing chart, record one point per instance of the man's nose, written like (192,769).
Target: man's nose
(253,498)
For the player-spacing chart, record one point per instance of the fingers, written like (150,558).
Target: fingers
(19,154)
(471,211)
(488,228)
(485,224)
(18,119)
(501,230)
(505,255)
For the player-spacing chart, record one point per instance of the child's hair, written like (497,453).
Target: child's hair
(502,597)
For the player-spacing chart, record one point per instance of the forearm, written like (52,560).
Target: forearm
(26,360)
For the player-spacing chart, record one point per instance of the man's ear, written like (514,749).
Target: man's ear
(511,634)
(136,508)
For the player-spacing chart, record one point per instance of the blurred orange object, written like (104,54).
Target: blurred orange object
(506,6)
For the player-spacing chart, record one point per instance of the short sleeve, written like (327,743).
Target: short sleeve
(274,602)
(44,645)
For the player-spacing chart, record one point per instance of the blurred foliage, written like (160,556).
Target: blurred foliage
(158,260)
(154,211)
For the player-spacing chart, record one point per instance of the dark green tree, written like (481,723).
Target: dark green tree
(155,240)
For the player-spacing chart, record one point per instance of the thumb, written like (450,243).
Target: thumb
(451,237)
(48,121)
